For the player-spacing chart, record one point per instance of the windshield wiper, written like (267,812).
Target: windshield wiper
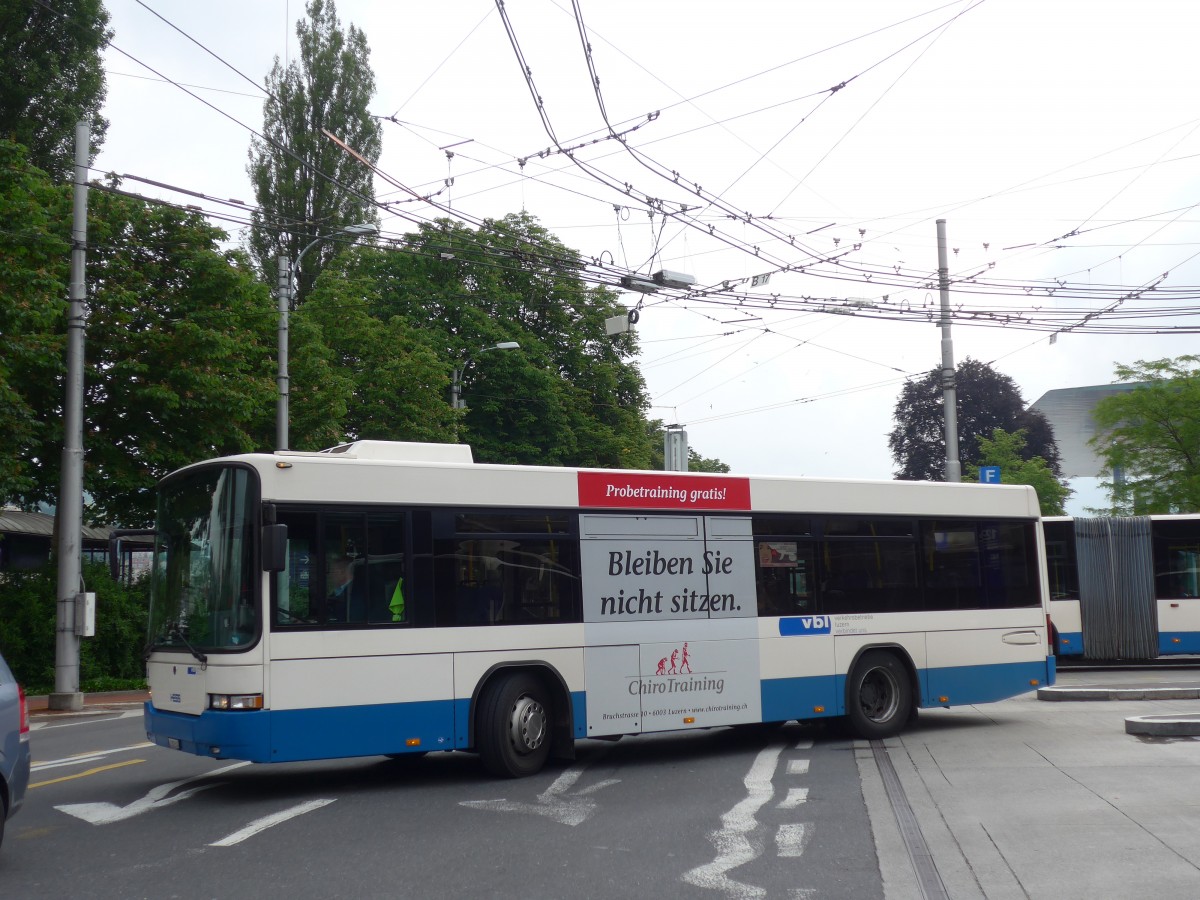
(174,630)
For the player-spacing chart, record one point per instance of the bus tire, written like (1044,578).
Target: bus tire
(879,698)
(514,725)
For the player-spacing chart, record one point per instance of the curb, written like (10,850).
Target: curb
(1163,726)
(40,704)
(1119,693)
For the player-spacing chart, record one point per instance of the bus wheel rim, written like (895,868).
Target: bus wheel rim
(527,725)
(879,695)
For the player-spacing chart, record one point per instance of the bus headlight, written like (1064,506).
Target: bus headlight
(235,701)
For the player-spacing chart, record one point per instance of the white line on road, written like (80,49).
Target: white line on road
(732,841)
(87,757)
(106,813)
(805,745)
(790,840)
(93,717)
(267,821)
(797,767)
(795,796)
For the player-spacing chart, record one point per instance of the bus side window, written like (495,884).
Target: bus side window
(784,577)
(346,570)
(386,589)
(293,586)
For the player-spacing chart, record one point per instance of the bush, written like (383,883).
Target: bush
(111,660)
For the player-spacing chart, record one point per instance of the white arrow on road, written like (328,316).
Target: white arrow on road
(105,813)
(554,802)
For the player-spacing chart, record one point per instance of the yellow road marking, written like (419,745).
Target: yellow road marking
(128,762)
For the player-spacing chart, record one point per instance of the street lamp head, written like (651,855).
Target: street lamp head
(506,345)
(367,228)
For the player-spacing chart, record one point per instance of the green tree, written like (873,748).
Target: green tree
(1007,450)
(363,376)
(571,395)
(307,186)
(987,400)
(52,77)
(1151,436)
(34,261)
(179,354)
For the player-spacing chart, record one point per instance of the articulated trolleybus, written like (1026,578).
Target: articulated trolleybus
(388,598)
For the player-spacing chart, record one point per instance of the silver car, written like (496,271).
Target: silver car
(14,745)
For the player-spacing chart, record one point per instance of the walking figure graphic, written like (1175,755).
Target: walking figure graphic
(684,665)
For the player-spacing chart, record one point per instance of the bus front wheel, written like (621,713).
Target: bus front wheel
(878,696)
(513,728)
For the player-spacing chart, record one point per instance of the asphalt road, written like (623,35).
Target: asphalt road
(747,812)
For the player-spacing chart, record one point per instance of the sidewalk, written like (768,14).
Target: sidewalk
(1031,800)
(1159,684)
(40,705)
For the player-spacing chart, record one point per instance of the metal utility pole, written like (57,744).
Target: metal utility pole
(70,502)
(949,392)
(284,297)
(675,449)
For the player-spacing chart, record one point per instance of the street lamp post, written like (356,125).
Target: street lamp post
(456,400)
(285,291)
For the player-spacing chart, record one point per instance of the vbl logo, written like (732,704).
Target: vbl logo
(805,625)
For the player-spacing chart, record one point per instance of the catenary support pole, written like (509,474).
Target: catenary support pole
(70,501)
(284,296)
(949,391)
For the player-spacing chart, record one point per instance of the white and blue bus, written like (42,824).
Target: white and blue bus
(1124,587)
(389,598)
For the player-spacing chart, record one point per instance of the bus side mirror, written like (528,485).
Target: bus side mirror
(274,548)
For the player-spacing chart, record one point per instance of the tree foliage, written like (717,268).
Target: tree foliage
(1151,435)
(986,400)
(27,624)
(34,263)
(178,349)
(307,186)
(1006,451)
(180,352)
(570,395)
(52,77)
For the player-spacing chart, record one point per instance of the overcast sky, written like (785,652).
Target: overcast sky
(1017,121)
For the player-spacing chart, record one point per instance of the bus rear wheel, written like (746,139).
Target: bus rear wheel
(878,696)
(513,727)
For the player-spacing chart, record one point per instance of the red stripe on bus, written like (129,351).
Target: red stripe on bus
(666,491)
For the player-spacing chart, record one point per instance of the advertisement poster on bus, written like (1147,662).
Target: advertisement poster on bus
(666,567)
(673,685)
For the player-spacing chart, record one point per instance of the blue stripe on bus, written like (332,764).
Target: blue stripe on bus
(797,698)
(1171,642)
(1070,643)
(327,733)
(984,684)
(335,732)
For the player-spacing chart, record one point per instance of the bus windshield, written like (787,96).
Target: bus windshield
(202,594)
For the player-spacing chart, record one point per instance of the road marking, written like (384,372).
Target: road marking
(87,757)
(267,821)
(128,762)
(554,802)
(804,745)
(795,796)
(732,841)
(797,767)
(93,718)
(106,813)
(790,840)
